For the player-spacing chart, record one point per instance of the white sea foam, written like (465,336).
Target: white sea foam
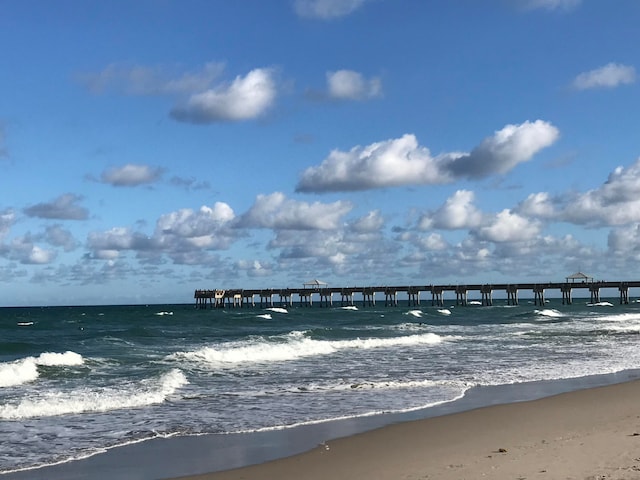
(266,316)
(600,304)
(444,311)
(620,317)
(549,312)
(415,313)
(26,369)
(164,313)
(349,307)
(474,302)
(278,310)
(296,346)
(24,324)
(53,403)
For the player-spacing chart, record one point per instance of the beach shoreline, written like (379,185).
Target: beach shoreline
(591,434)
(247,455)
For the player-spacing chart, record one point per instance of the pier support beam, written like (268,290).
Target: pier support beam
(248,299)
(437,297)
(390,297)
(538,295)
(462,296)
(595,293)
(286,298)
(566,294)
(624,293)
(368,296)
(512,295)
(414,296)
(306,298)
(487,295)
(347,296)
(326,298)
(266,296)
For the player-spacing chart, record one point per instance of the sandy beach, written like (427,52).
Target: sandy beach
(589,434)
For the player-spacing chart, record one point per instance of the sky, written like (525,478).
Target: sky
(149,148)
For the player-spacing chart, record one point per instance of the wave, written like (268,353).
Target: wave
(293,347)
(444,311)
(54,403)
(415,313)
(266,316)
(549,312)
(349,307)
(600,304)
(278,310)
(164,313)
(26,369)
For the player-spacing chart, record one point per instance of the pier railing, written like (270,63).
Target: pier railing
(272,297)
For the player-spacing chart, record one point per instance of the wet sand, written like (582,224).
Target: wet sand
(589,434)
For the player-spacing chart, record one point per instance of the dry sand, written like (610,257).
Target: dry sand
(589,434)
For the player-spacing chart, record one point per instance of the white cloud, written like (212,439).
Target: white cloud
(458,212)
(350,85)
(625,240)
(609,76)
(245,98)
(508,147)
(187,223)
(403,162)
(508,226)
(277,212)
(65,207)
(372,222)
(539,205)
(616,202)
(39,256)
(326,9)
(131,175)
(434,242)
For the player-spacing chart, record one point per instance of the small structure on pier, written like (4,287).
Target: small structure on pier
(579,277)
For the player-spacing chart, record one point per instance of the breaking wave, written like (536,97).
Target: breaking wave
(26,369)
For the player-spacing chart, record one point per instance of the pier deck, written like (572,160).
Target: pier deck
(270,297)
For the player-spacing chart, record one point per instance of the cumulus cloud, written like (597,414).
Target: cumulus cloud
(372,222)
(458,212)
(155,80)
(24,250)
(608,76)
(508,147)
(245,98)
(278,212)
(183,236)
(187,223)
(616,202)
(326,9)
(65,207)
(131,175)
(508,226)
(60,237)
(402,161)
(350,85)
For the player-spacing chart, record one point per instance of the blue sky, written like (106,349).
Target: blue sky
(149,148)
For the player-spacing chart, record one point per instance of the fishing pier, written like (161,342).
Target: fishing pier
(321,294)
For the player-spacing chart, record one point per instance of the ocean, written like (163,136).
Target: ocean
(77,381)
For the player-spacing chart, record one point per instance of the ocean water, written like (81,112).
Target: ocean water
(75,381)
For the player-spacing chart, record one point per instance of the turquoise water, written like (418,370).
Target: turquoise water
(75,381)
